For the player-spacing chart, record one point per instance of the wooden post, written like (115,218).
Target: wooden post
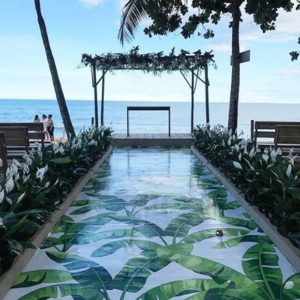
(169,122)
(102,98)
(95,94)
(127,121)
(192,100)
(206,92)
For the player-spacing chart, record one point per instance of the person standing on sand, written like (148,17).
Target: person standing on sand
(50,127)
(45,124)
(36,119)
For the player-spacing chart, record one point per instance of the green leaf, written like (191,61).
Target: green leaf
(108,234)
(180,226)
(247,238)
(112,247)
(96,276)
(209,233)
(217,271)
(36,277)
(169,207)
(228,294)
(250,224)
(260,264)
(71,261)
(291,288)
(63,290)
(61,161)
(141,200)
(134,274)
(178,288)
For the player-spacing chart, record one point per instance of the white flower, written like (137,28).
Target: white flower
(229,141)
(55,146)
(237,165)
(47,184)
(17,177)
(14,169)
(240,157)
(15,162)
(9,185)
(8,173)
(25,179)
(21,197)
(252,152)
(289,285)
(61,149)
(279,151)
(26,169)
(9,200)
(92,143)
(288,170)
(41,172)
(1,196)
(273,155)
(27,159)
(265,157)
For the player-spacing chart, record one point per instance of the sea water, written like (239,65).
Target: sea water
(115,114)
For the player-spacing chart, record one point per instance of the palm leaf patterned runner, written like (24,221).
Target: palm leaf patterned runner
(155,224)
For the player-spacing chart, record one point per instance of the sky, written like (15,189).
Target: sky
(91,26)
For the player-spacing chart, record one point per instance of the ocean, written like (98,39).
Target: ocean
(146,121)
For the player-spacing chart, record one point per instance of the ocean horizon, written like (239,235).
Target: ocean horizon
(115,114)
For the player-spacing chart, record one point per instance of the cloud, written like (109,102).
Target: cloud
(91,3)
(288,72)
(219,47)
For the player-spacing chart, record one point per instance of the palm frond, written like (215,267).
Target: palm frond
(133,12)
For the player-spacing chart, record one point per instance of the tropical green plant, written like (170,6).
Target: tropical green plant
(267,178)
(32,189)
(167,16)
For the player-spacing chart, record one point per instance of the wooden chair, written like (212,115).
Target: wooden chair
(288,137)
(35,132)
(263,133)
(16,141)
(3,153)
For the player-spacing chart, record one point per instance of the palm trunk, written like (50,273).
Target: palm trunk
(53,70)
(235,75)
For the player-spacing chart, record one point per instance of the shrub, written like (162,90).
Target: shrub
(32,189)
(267,178)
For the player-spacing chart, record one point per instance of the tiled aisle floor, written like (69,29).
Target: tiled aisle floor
(155,224)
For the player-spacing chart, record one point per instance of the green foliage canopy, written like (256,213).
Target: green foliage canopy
(167,16)
(149,62)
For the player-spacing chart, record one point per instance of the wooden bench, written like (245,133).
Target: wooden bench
(35,132)
(3,153)
(288,137)
(263,133)
(16,140)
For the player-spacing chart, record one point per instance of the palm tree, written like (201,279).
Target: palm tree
(54,74)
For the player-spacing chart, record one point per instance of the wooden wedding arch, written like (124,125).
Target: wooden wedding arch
(155,63)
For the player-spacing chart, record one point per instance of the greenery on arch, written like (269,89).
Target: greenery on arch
(150,62)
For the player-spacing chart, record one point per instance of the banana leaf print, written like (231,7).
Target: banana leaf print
(183,287)
(120,244)
(260,264)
